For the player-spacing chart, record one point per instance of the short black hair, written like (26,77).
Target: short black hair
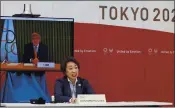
(66,60)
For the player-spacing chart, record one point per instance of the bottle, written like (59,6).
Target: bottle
(52,99)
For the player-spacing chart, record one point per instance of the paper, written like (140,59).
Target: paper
(13,64)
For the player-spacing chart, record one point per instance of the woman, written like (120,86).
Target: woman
(67,88)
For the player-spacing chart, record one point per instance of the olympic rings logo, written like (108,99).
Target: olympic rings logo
(12,42)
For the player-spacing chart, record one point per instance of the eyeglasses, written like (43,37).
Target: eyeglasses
(35,38)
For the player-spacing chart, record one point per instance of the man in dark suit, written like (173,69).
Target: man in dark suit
(35,82)
(35,52)
(68,87)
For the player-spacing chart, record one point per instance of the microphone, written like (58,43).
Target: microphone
(4,61)
(27,9)
(27,12)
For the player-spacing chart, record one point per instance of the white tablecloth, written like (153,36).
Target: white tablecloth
(48,105)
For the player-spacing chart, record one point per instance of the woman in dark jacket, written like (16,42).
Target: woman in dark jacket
(68,87)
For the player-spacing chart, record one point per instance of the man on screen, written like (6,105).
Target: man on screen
(35,81)
(35,52)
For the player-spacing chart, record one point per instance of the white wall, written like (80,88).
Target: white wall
(89,12)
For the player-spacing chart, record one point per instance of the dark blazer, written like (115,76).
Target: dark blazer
(62,89)
(29,53)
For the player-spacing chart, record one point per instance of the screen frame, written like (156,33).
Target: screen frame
(38,18)
(44,19)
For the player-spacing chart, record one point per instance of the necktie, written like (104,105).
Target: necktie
(35,51)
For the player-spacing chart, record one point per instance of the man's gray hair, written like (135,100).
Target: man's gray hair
(34,34)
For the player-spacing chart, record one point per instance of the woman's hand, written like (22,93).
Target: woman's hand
(73,100)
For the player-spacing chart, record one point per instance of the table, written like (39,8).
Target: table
(21,67)
(35,85)
(108,104)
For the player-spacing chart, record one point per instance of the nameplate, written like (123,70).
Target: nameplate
(45,65)
(91,99)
